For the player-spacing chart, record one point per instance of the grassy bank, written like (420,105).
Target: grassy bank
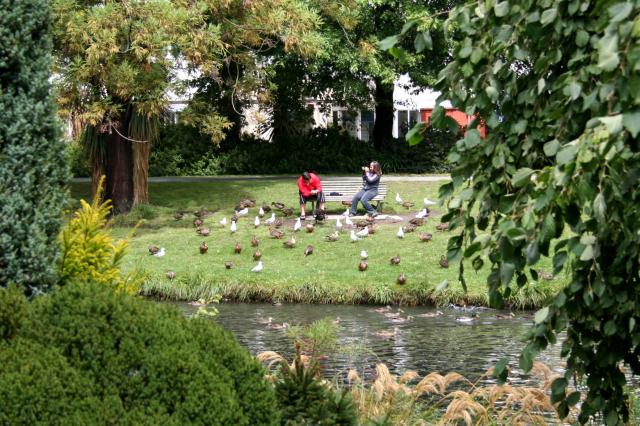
(329,275)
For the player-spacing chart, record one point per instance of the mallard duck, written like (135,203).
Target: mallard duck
(276,233)
(444,226)
(362,223)
(408,204)
(373,229)
(395,260)
(401,320)
(278,205)
(545,275)
(178,215)
(308,250)
(430,314)
(310,228)
(425,237)
(465,319)
(153,249)
(278,223)
(409,227)
(203,247)
(362,266)
(266,208)
(198,222)
(262,320)
(288,211)
(205,232)
(171,275)
(504,317)
(200,214)
(333,237)
(278,326)
(257,255)
(247,202)
(384,334)
(444,263)
(234,217)
(402,278)
(238,248)
(255,242)
(290,243)
(381,310)
(417,221)
(228,264)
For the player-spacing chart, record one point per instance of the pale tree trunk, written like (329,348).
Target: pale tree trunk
(141,152)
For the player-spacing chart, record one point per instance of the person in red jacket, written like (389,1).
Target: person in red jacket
(310,189)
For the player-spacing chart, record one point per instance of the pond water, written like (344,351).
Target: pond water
(425,344)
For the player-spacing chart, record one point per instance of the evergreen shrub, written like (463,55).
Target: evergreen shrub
(32,157)
(87,354)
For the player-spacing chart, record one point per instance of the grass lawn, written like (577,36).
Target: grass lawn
(329,275)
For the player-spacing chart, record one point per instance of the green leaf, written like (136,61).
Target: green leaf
(472,139)
(610,328)
(389,42)
(608,58)
(501,9)
(573,398)
(551,148)
(620,11)
(541,315)
(541,84)
(415,135)
(582,38)
(532,253)
(600,208)
(559,259)
(423,41)
(500,371)
(472,249)
(506,273)
(492,92)
(548,16)
(407,26)
(613,123)
(631,121)
(567,154)
(573,90)
(521,177)
(587,253)
(558,387)
(526,358)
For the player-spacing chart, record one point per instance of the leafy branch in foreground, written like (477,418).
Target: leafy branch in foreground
(557,176)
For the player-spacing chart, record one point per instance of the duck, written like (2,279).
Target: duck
(353,236)
(408,204)
(417,221)
(261,212)
(223,222)
(153,249)
(257,255)
(258,268)
(504,317)
(256,222)
(431,314)
(278,223)
(276,233)
(401,320)
(362,223)
(381,310)
(271,220)
(308,250)
(171,275)
(409,227)
(402,279)
(160,252)
(278,326)
(263,320)
(247,202)
(234,217)
(238,248)
(422,214)
(255,242)
(363,232)
(545,275)
(243,212)
(398,198)
(444,263)
(427,202)
(395,260)
(310,228)
(205,232)
(444,226)
(203,247)
(288,211)
(364,255)
(234,227)
(396,218)
(332,237)
(278,205)
(198,222)
(228,264)
(297,225)
(178,215)
(266,208)
(465,319)
(425,237)
(400,233)
(337,321)
(200,213)
(362,266)
(290,243)
(385,334)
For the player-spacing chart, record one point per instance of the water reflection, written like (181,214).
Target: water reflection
(425,344)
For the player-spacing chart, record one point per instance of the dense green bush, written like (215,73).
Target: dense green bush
(86,354)
(77,159)
(32,157)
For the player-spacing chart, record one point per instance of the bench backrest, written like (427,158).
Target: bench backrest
(348,187)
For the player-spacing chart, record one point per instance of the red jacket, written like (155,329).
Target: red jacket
(314,183)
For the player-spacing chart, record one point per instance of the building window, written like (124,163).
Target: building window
(406,120)
(367,120)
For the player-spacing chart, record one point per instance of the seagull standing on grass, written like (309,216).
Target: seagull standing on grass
(223,221)
(261,212)
(258,267)
(422,213)
(160,252)
(354,237)
(364,232)
(243,212)
(428,202)
(400,233)
(364,255)
(398,198)
(348,221)
(338,224)
(271,219)
(346,213)
(234,227)
(297,225)
(256,222)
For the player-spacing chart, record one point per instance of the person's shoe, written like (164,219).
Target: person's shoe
(352,214)
(303,217)
(374,214)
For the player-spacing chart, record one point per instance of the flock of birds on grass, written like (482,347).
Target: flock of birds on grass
(359,229)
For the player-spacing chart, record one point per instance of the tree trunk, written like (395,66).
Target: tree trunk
(383,126)
(119,169)
(141,172)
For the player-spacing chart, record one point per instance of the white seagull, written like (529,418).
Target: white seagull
(258,267)
(364,232)
(234,227)
(223,221)
(364,255)
(346,213)
(271,219)
(398,198)
(297,225)
(338,224)
(160,253)
(428,202)
(354,237)
(348,221)
(400,233)
(243,212)
(261,212)
(422,213)
(256,221)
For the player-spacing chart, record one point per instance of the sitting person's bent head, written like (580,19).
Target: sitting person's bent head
(306,176)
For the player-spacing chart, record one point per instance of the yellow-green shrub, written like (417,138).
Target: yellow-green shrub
(89,251)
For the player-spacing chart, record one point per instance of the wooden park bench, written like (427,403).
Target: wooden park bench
(343,189)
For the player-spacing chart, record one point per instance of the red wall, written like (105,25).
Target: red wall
(460,117)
